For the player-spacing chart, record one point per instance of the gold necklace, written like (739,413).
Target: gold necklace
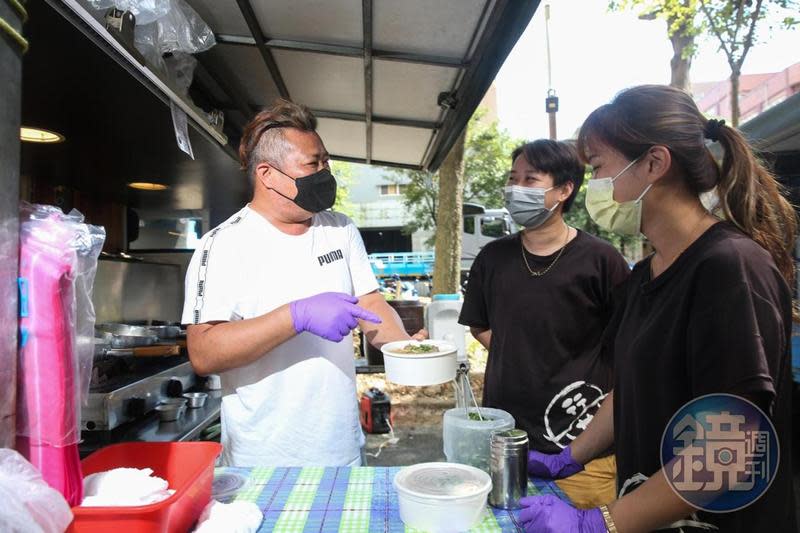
(539,273)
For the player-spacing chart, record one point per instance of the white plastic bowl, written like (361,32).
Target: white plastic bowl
(419,369)
(442,497)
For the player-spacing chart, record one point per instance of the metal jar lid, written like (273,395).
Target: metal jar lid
(510,437)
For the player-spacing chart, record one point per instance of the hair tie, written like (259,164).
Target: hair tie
(713,128)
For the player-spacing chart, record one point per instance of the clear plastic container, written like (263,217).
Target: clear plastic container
(466,441)
(441,497)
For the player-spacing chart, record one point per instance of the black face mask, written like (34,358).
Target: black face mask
(315,192)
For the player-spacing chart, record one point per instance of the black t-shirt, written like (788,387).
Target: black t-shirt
(545,364)
(718,320)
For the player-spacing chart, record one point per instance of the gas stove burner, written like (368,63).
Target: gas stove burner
(227,485)
(124,389)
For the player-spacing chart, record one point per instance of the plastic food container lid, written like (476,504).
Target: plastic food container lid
(443,481)
(227,485)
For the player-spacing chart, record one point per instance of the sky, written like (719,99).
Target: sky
(595,54)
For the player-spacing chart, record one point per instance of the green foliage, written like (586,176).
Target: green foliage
(344,177)
(734,23)
(681,17)
(487,158)
(731,22)
(419,196)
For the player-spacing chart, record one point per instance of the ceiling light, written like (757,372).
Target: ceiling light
(147,186)
(39,135)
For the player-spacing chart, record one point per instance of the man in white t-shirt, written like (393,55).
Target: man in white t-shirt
(272,295)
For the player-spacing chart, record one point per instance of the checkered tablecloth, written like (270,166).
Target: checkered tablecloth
(346,500)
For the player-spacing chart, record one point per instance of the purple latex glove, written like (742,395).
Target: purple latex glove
(544,514)
(330,315)
(556,466)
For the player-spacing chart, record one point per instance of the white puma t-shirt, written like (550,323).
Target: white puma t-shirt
(296,405)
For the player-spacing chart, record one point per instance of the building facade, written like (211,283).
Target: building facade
(757,93)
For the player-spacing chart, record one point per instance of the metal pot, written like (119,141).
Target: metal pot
(124,336)
(171,409)
(196,399)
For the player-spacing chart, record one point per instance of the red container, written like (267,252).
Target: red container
(187,466)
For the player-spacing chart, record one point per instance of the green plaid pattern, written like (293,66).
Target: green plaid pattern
(488,524)
(364,474)
(301,497)
(291,522)
(358,496)
(354,521)
(346,500)
(260,475)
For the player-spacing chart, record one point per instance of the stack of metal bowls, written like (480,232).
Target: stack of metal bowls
(508,466)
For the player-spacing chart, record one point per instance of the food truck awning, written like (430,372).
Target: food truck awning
(392,83)
(776,130)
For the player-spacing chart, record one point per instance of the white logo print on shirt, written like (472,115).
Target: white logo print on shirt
(572,409)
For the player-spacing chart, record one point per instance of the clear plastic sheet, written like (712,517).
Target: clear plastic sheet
(145,11)
(58,262)
(27,503)
(180,30)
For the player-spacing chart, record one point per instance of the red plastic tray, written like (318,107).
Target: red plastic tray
(187,466)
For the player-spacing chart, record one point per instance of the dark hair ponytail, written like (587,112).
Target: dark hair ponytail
(753,200)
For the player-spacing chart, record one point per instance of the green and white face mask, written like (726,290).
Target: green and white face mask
(624,218)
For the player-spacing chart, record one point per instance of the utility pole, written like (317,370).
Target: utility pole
(551,102)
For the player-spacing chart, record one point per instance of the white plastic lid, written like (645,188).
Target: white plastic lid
(444,481)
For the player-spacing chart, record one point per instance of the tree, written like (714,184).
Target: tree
(682,28)
(733,23)
(447,264)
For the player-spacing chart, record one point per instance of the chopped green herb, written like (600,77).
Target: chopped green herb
(418,348)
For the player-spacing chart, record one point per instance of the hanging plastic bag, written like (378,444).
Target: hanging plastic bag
(58,261)
(180,30)
(145,11)
(27,503)
(145,39)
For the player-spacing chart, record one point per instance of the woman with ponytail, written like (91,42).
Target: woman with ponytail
(708,313)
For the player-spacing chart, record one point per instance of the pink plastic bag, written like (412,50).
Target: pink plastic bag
(55,250)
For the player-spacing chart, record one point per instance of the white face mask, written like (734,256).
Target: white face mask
(624,218)
(526,205)
(710,200)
